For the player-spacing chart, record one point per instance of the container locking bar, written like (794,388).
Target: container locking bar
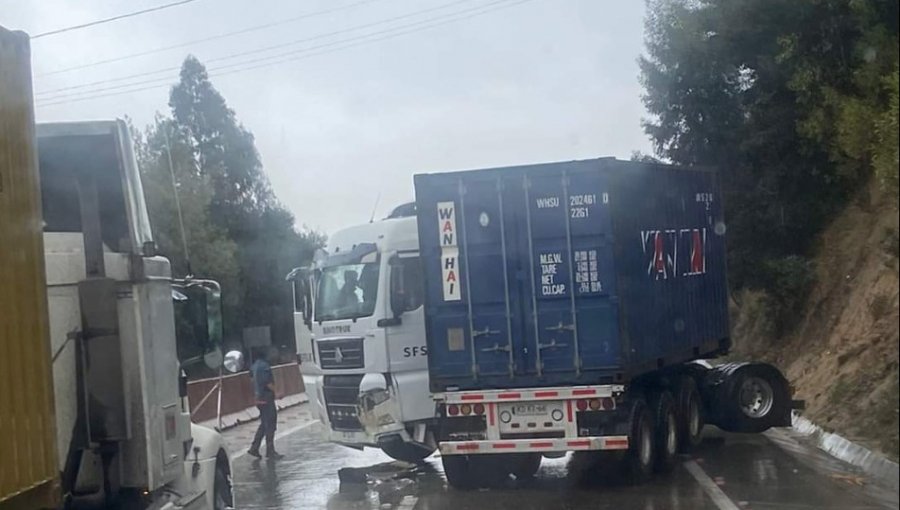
(509,339)
(539,364)
(465,274)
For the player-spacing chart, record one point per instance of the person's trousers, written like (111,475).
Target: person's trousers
(268,418)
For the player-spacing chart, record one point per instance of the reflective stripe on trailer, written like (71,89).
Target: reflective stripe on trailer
(534,445)
(461,397)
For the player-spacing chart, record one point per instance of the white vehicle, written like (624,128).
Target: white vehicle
(123,422)
(364,366)
(114,390)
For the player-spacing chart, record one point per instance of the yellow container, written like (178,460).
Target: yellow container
(28,467)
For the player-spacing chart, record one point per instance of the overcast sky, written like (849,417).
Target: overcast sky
(497,83)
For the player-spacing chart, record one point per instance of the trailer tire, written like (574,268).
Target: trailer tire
(689,410)
(457,472)
(756,399)
(468,472)
(665,432)
(639,459)
(406,452)
(526,465)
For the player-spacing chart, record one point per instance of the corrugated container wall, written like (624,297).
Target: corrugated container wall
(28,468)
(584,272)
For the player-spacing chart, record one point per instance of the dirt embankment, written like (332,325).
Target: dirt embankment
(842,358)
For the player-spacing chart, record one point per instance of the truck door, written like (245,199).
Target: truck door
(567,249)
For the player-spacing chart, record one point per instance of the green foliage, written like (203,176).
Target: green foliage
(790,100)
(788,280)
(886,148)
(236,230)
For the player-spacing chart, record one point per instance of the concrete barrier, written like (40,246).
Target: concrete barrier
(237,392)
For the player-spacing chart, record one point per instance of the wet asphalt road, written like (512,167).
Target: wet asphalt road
(728,472)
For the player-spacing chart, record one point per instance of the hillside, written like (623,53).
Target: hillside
(842,356)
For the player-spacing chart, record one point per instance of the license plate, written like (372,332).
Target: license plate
(530,409)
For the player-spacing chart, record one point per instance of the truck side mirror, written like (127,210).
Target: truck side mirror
(302,286)
(198,322)
(234,361)
(398,288)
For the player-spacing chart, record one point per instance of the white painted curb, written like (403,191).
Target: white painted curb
(837,446)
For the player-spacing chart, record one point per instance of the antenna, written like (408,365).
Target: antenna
(377,198)
(184,246)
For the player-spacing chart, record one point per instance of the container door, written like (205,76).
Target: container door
(571,307)
(492,308)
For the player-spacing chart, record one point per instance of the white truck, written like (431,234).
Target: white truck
(123,425)
(93,398)
(364,367)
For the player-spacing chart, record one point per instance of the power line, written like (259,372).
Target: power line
(114,18)
(210,38)
(214,70)
(252,52)
(300,57)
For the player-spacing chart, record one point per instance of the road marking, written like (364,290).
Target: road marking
(408,503)
(278,436)
(709,487)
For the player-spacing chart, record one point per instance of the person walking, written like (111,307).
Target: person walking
(264,388)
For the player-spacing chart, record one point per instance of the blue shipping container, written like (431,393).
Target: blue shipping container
(583,272)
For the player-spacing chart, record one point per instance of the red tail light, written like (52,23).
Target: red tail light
(478,408)
(608,403)
(582,405)
(453,409)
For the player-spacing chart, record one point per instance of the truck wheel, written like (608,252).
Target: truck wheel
(689,410)
(489,471)
(406,452)
(222,496)
(640,456)
(665,431)
(526,465)
(456,469)
(757,399)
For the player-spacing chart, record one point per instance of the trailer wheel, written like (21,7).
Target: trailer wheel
(665,431)
(757,399)
(468,472)
(526,465)
(689,410)
(640,456)
(406,452)
(456,469)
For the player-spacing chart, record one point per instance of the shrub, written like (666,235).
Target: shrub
(788,281)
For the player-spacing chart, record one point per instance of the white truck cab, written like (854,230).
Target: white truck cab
(359,318)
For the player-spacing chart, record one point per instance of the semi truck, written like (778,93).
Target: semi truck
(365,368)
(93,398)
(566,307)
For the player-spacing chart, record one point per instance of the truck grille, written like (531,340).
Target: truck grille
(341,393)
(342,353)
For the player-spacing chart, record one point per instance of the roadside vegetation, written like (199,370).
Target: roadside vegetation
(796,103)
(235,229)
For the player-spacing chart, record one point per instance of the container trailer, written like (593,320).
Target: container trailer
(566,306)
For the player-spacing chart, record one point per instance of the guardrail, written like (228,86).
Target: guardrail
(218,396)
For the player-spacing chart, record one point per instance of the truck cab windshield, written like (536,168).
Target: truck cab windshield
(347,291)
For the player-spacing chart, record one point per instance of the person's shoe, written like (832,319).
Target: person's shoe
(254,452)
(274,455)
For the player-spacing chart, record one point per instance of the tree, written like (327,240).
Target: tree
(784,98)
(238,233)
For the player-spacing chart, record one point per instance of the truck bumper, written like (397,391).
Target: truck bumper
(360,438)
(534,445)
